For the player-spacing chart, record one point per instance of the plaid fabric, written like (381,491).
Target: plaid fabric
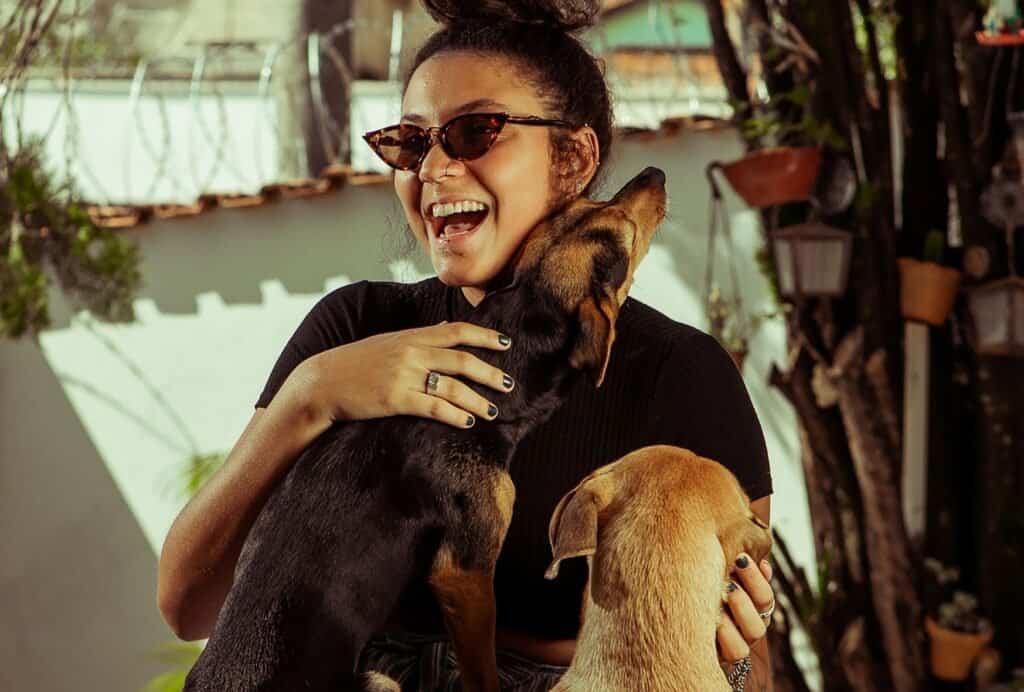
(427,664)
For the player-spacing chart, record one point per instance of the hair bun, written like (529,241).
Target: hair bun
(567,15)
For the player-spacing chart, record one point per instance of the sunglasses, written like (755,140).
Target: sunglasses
(464,138)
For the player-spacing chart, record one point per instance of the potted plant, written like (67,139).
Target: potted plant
(731,327)
(787,142)
(927,288)
(955,628)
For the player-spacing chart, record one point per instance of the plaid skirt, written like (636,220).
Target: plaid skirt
(427,664)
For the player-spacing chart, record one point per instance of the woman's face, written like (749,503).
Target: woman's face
(512,179)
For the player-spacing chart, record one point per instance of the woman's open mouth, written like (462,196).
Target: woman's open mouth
(453,222)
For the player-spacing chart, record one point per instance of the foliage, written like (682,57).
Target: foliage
(43,231)
(183,656)
(729,324)
(787,120)
(951,607)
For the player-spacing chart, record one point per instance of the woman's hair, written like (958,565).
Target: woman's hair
(535,35)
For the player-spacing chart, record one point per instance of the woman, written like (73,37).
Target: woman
(534,131)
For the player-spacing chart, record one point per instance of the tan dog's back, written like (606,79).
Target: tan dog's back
(656,527)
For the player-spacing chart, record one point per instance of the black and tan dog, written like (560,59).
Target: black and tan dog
(371,508)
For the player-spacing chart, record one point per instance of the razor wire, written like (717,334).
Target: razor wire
(161,87)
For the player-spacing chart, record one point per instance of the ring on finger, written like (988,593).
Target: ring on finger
(433,379)
(766,616)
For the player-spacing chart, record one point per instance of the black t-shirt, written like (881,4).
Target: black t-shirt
(667,383)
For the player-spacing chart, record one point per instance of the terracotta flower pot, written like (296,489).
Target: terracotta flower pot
(927,290)
(952,652)
(774,176)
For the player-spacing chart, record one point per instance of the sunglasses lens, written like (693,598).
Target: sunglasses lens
(471,136)
(401,146)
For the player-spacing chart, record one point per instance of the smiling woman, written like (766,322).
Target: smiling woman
(506,119)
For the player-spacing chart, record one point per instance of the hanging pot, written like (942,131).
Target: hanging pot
(953,652)
(927,290)
(774,176)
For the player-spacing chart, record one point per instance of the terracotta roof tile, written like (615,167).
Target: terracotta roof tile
(333,177)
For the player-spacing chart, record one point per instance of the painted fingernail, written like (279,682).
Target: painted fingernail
(470,420)
(504,340)
(731,587)
(492,410)
(742,561)
(507,381)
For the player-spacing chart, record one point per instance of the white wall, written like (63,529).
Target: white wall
(88,455)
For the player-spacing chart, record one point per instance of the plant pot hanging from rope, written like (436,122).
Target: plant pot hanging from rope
(772,176)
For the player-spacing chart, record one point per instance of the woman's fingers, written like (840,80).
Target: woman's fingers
(731,644)
(754,581)
(449,334)
(462,364)
(464,398)
(744,614)
(429,406)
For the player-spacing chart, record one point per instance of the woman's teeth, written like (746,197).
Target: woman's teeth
(457,218)
(442,210)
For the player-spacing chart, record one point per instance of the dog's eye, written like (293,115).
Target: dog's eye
(757,520)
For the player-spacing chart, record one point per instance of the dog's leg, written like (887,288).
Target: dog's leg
(462,578)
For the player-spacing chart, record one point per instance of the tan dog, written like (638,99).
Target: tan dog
(659,528)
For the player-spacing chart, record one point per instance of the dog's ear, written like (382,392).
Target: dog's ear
(574,523)
(593,347)
(745,535)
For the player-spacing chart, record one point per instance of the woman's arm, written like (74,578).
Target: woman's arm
(376,377)
(198,559)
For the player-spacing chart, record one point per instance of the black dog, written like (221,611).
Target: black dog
(371,508)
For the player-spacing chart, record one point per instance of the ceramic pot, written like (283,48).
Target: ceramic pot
(774,176)
(927,290)
(952,652)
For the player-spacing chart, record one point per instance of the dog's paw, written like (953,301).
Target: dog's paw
(378,682)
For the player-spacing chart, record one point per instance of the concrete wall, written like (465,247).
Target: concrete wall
(91,455)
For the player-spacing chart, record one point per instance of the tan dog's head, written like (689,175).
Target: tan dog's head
(662,501)
(585,256)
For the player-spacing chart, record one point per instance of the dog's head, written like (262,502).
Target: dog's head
(658,500)
(585,256)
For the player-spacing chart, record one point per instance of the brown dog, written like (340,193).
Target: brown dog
(659,528)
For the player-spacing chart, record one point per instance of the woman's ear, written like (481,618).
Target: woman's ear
(588,154)
(579,158)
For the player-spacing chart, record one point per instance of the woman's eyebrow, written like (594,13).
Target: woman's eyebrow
(464,108)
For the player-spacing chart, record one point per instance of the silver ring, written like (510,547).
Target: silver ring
(433,378)
(766,616)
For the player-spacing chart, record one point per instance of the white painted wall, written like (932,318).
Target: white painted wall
(88,455)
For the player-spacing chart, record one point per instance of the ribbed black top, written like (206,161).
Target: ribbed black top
(667,383)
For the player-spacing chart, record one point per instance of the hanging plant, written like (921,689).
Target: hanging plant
(44,233)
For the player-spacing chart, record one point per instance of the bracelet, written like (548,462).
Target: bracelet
(737,677)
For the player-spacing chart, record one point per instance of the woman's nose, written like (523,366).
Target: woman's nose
(436,164)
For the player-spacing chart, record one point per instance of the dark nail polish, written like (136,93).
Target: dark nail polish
(470,420)
(507,381)
(742,561)
(492,410)
(504,340)
(731,587)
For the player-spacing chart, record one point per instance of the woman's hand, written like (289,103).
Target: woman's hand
(386,375)
(749,594)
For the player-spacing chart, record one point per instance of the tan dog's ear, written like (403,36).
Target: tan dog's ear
(573,528)
(745,535)
(593,347)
